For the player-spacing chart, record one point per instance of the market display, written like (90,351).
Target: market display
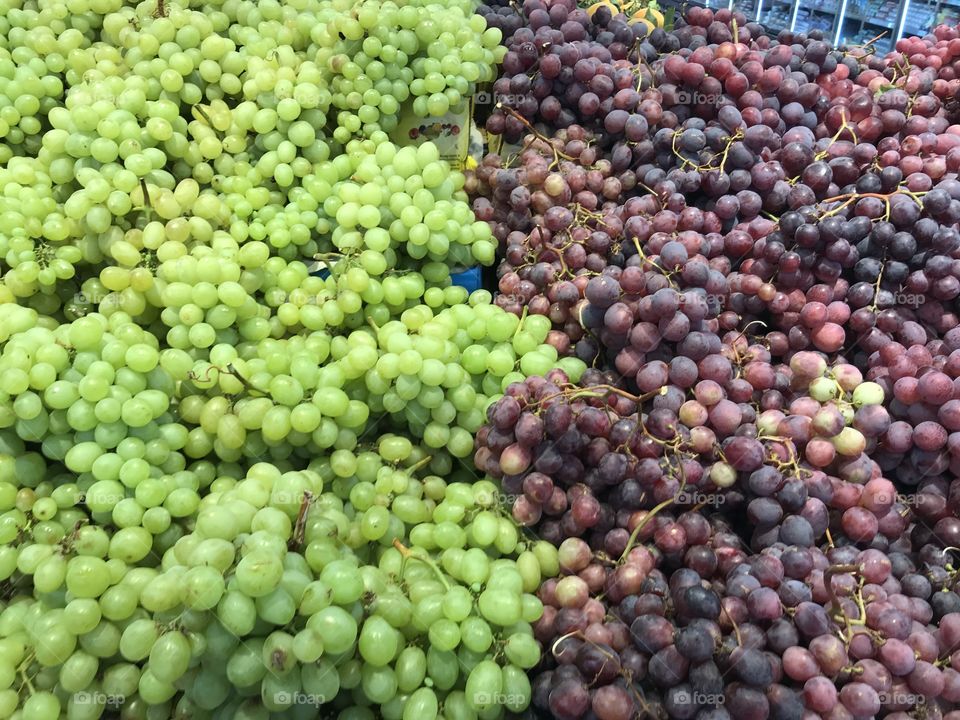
(693,454)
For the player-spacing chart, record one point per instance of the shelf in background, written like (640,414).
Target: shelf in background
(860,21)
(870,21)
(882,45)
(824,8)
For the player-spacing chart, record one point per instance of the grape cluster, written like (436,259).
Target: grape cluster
(752,488)
(402,206)
(790,632)
(301,586)
(563,66)
(662,609)
(377,55)
(230,484)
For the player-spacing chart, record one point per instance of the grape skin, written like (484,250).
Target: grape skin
(164,416)
(621,279)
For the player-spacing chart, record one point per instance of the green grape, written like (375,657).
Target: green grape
(378,641)
(337,628)
(410,668)
(422,703)
(87,577)
(379,684)
(42,706)
(308,645)
(443,668)
(517,692)
(170,656)
(484,686)
(476,634)
(138,639)
(187,472)
(444,634)
(500,607)
(78,671)
(258,573)
(522,650)
(203,588)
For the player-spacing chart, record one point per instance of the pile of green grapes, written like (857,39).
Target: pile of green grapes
(232,486)
(378,54)
(173,127)
(363,583)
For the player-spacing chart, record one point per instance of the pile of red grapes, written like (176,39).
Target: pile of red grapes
(753,241)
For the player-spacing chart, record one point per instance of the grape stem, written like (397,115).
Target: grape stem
(876,286)
(868,45)
(736,628)
(146,194)
(828,586)
(26,681)
(202,113)
(652,192)
(296,540)
(726,151)
(419,464)
(523,316)
(232,370)
(743,333)
(829,539)
(572,633)
(837,209)
(558,251)
(878,196)
(665,272)
(601,390)
(643,523)
(67,541)
(409,554)
(624,673)
(557,154)
(844,125)
(683,161)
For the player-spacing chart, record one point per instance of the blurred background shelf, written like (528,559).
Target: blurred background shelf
(777,15)
(844,22)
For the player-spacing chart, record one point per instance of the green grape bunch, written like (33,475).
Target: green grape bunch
(403,203)
(378,55)
(364,584)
